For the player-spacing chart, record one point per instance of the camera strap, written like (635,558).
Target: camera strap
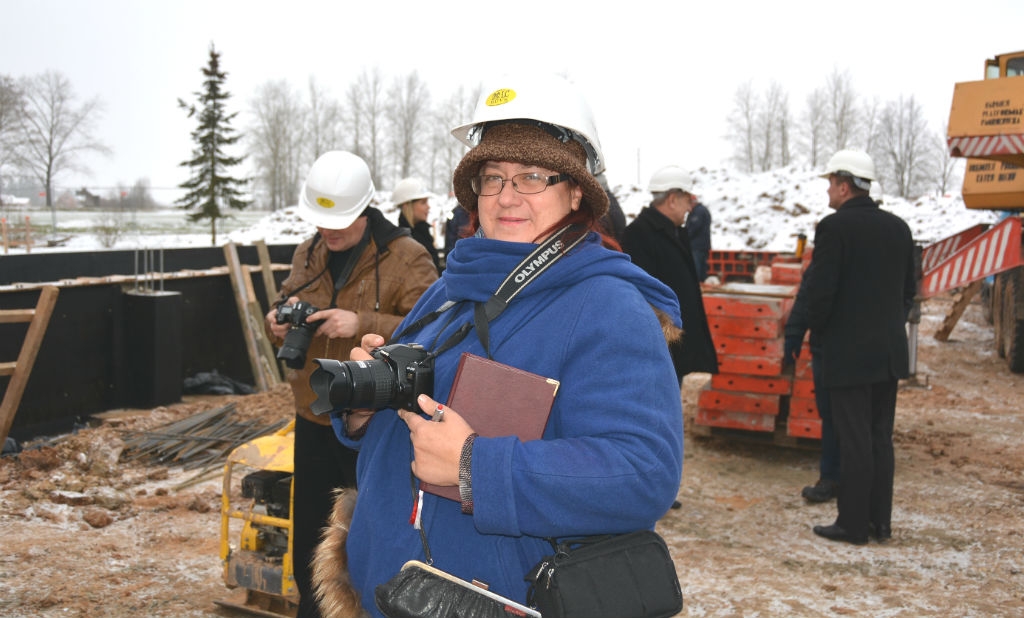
(531,267)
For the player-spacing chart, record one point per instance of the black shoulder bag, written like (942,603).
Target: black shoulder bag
(615,576)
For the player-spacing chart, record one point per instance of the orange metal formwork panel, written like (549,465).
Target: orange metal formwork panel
(787,273)
(768,385)
(753,403)
(735,420)
(750,365)
(740,346)
(803,387)
(802,369)
(767,328)
(740,306)
(803,407)
(804,428)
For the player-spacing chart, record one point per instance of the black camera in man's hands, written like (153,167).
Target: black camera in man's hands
(300,333)
(397,375)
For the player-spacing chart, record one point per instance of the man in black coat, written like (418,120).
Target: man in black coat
(860,289)
(656,242)
(698,228)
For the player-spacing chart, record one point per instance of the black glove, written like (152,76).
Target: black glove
(791,351)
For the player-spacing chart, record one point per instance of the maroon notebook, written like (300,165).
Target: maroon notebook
(498,400)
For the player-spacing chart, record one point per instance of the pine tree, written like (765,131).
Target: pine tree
(211,187)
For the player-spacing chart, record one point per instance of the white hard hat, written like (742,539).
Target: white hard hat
(671,177)
(337,190)
(547,98)
(408,190)
(856,163)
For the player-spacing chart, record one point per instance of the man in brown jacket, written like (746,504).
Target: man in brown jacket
(363,274)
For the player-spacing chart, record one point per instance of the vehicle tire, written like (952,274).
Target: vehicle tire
(997,312)
(1013,319)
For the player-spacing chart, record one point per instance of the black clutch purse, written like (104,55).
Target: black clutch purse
(620,576)
(421,591)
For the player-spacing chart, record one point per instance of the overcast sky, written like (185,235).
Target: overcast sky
(660,76)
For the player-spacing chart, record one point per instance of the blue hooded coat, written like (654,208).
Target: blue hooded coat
(610,460)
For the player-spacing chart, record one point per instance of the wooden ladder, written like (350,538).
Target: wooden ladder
(39,319)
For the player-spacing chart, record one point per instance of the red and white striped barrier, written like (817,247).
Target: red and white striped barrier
(934,253)
(986,145)
(994,251)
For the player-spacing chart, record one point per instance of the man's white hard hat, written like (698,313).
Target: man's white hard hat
(337,190)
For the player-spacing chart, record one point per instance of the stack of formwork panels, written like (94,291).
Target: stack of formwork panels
(746,322)
(803,420)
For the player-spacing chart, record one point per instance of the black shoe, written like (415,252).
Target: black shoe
(835,533)
(677,505)
(881,533)
(822,491)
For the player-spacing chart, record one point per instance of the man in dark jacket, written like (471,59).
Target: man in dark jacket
(656,242)
(698,229)
(859,291)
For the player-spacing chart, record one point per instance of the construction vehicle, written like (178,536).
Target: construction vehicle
(259,563)
(986,125)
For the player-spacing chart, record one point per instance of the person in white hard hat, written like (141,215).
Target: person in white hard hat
(657,242)
(362,274)
(412,198)
(568,308)
(857,292)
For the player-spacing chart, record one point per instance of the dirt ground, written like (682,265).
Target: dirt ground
(85,534)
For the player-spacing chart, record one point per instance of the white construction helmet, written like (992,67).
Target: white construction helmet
(854,163)
(546,98)
(337,190)
(671,177)
(408,190)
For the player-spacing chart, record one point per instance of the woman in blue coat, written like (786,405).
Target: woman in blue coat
(610,459)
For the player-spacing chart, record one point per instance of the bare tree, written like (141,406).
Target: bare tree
(276,141)
(771,132)
(814,126)
(446,151)
(743,121)
(323,122)
(945,164)
(11,109)
(56,130)
(841,110)
(407,112)
(366,119)
(906,146)
(870,115)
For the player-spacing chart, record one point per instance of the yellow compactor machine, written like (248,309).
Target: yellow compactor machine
(256,531)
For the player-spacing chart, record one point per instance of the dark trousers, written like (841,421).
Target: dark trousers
(321,465)
(863,417)
(828,466)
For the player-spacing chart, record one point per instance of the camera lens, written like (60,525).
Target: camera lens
(293,350)
(352,384)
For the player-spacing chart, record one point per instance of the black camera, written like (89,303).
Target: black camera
(398,375)
(296,342)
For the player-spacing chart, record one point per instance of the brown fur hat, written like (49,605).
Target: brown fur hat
(529,145)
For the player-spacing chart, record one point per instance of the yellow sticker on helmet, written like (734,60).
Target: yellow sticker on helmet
(500,96)
(326,203)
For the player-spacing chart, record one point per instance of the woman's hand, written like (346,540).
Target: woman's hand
(436,446)
(358,418)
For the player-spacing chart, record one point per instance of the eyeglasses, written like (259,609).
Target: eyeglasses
(527,184)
